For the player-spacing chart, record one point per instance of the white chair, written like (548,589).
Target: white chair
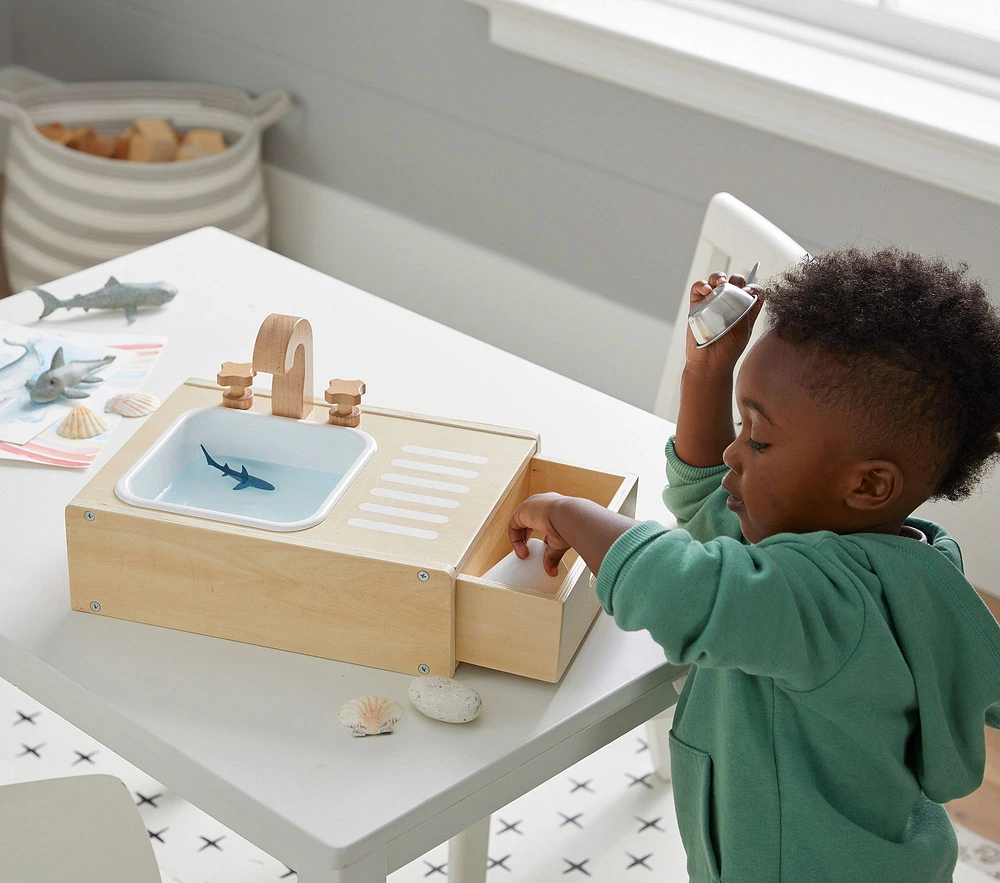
(83,828)
(733,238)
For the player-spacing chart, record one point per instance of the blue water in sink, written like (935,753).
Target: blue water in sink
(298,492)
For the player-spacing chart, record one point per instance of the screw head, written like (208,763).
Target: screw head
(95,606)
(90,516)
(423,576)
(423,669)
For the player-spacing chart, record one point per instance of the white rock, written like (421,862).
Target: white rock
(445,699)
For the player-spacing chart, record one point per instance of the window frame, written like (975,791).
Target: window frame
(882,24)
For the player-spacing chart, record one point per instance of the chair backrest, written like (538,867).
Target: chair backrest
(83,828)
(733,238)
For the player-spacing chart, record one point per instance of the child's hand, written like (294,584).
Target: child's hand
(533,514)
(725,352)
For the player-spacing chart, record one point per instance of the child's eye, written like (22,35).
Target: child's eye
(756,445)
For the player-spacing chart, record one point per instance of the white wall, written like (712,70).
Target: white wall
(599,342)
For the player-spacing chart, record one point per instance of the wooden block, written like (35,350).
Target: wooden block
(143,149)
(122,146)
(52,131)
(156,130)
(188,153)
(208,140)
(71,137)
(94,144)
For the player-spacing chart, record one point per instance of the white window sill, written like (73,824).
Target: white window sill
(927,120)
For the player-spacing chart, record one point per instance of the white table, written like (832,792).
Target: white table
(249,734)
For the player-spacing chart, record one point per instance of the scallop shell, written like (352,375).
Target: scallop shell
(132,404)
(370,715)
(81,423)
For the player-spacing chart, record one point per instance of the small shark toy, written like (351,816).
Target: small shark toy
(245,478)
(114,295)
(62,377)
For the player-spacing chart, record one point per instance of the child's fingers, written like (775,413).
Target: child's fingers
(738,280)
(699,291)
(552,557)
(519,539)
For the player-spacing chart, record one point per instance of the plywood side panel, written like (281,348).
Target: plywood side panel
(260,590)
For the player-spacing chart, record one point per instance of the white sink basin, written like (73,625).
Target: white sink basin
(310,466)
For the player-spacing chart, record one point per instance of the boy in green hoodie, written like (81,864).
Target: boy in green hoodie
(842,666)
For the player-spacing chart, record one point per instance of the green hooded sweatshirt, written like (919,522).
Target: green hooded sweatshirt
(837,695)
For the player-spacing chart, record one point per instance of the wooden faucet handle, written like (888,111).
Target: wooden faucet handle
(235,374)
(237,377)
(345,396)
(345,392)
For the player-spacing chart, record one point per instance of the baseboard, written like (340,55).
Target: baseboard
(575,332)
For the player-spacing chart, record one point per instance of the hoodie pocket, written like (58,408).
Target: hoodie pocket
(691,771)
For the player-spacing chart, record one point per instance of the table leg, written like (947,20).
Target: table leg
(467,854)
(369,870)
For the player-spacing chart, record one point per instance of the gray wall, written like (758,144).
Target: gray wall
(6,46)
(405,104)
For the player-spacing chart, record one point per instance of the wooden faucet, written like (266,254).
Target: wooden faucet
(284,349)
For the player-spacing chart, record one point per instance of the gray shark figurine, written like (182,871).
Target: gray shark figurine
(62,378)
(114,295)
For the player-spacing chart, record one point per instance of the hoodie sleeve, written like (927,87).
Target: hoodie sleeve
(993,716)
(695,495)
(769,610)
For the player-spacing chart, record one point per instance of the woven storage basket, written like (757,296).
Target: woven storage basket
(65,210)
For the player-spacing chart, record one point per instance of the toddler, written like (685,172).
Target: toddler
(842,666)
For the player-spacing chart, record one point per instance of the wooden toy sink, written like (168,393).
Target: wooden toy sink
(391,577)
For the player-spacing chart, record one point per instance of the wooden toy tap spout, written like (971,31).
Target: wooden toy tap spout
(283,349)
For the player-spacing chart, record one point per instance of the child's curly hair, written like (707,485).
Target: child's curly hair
(919,345)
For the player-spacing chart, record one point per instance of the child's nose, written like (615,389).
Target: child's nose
(731,457)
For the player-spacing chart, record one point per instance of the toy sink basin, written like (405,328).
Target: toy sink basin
(310,465)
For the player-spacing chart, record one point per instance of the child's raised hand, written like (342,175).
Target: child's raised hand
(723,354)
(534,514)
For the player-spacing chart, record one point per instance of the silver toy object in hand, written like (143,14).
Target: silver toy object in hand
(721,310)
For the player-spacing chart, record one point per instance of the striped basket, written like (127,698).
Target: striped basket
(65,210)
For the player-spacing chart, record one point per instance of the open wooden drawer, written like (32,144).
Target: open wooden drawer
(518,630)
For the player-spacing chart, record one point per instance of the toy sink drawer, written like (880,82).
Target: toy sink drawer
(522,631)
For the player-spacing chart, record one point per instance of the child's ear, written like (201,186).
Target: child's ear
(875,485)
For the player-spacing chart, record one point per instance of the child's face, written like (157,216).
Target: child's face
(791,464)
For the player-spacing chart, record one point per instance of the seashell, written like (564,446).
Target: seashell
(445,699)
(370,715)
(81,423)
(132,404)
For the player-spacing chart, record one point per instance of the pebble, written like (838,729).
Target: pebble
(445,699)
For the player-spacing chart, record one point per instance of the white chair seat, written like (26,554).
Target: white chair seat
(84,829)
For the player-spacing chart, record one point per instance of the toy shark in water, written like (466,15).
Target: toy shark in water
(62,378)
(114,295)
(245,478)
